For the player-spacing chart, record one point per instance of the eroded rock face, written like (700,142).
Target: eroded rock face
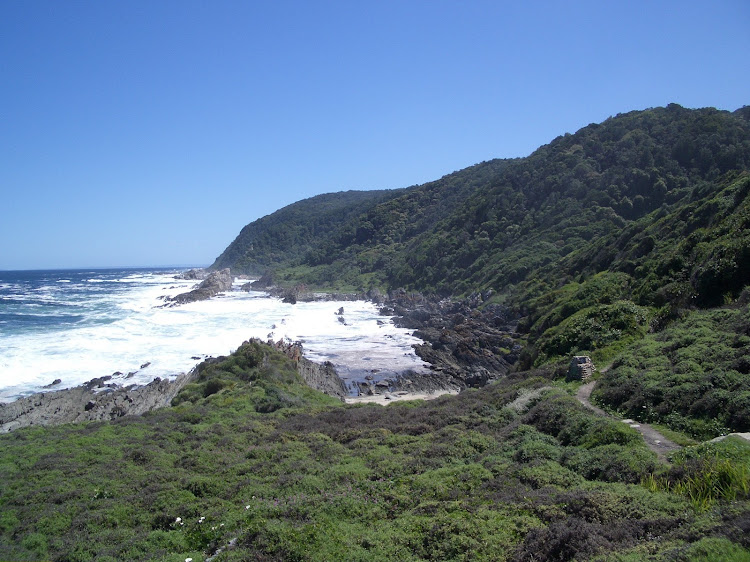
(467,344)
(217,282)
(94,400)
(322,377)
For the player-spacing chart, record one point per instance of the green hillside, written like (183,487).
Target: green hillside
(594,241)
(286,236)
(597,200)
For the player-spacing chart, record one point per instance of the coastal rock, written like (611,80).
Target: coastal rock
(467,343)
(83,403)
(217,282)
(266,281)
(322,377)
(290,296)
(193,274)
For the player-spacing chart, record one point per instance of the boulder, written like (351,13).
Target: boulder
(217,282)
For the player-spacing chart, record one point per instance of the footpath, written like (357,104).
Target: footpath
(655,440)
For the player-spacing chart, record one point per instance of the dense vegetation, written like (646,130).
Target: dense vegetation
(692,376)
(585,203)
(594,241)
(250,457)
(286,235)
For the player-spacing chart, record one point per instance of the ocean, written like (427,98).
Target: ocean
(75,325)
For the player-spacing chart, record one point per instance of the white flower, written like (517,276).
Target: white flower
(201,520)
(247,507)
(188,560)
(179,519)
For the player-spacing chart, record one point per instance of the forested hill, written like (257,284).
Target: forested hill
(319,231)
(657,195)
(287,235)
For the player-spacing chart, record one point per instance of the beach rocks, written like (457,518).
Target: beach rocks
(217,282)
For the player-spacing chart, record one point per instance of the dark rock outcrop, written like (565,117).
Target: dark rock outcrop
(468,343)
(217,282)
(194,274)
(266,281)
(322,377)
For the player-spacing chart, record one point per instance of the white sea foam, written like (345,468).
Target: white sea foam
(126,329)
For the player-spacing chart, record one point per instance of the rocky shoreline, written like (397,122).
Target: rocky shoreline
(95,400)
(100,399)
(468,343)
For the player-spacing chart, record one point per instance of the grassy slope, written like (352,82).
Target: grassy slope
(251,454)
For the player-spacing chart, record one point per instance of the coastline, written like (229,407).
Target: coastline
(121,329)
(465,344)
(95,400)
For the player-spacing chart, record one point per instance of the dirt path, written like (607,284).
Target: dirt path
(655,440)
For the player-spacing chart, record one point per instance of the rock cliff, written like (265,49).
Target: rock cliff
(322,377)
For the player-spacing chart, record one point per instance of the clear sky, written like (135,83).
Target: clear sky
(144,133)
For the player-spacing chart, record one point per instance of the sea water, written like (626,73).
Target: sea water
(75,325)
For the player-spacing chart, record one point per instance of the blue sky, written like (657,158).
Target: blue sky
(147,133)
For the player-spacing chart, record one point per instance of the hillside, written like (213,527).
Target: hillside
(286,236)
(594,242)
(576,206)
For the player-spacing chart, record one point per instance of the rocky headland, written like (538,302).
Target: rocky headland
(101,399)
(97,399)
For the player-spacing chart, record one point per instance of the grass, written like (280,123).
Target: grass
(708,473)
(678,437)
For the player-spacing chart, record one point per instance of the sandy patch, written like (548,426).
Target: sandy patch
(390,397)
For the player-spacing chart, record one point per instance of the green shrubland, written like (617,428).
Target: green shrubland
(469,477)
